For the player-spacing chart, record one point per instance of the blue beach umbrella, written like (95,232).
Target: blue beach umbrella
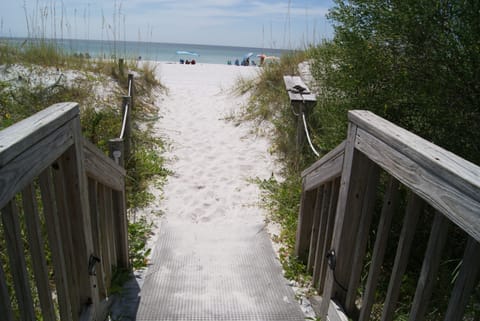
(248,55)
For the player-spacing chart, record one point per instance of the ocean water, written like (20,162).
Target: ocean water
(153,50)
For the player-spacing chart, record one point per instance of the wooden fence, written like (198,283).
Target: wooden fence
(383,173)
(64,222)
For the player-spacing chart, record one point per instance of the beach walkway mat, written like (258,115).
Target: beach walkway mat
(203,272)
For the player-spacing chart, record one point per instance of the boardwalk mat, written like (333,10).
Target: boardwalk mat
(203,272)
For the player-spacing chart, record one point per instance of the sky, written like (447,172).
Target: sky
(279,24)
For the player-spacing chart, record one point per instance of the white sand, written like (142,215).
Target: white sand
(213,159)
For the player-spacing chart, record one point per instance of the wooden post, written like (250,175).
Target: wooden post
(116,150)
(301,99)
(76,194)
(301,107)
(121,66)
(360,245)
(356,169)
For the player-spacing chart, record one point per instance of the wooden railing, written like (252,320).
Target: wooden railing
(378,173)
(64,227)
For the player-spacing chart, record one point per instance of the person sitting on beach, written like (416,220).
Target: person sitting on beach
(182,61)
(237,63)
(193,62)
(187,62)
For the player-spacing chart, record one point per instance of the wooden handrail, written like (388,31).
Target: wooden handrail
(102,168)
(28,147)
(74,192)
(446,181)
(325,169)
(348,179)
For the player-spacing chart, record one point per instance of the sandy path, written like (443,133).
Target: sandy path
(211,158)
(213,259)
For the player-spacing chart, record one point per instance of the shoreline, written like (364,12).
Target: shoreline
(150,51)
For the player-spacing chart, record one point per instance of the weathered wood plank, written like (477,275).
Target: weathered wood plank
(103,237)
(317,214)
(109,227)
(304,228)
(320,259)
(390,204)
(340,217)
(466,281)
(5,302)
(319,238)
(414,208)
(362,169)
(17,174)
(447,182)
(18,266)
(360,244)
(431,263)
(121,228)
(66,234)
(97,246)
(325,169)
(102,168)
(21,136)
(333,154)
(39,263)
(53,227)
(294,95)
(77,198)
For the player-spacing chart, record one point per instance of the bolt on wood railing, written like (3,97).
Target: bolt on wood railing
(68,199)
(379,172)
